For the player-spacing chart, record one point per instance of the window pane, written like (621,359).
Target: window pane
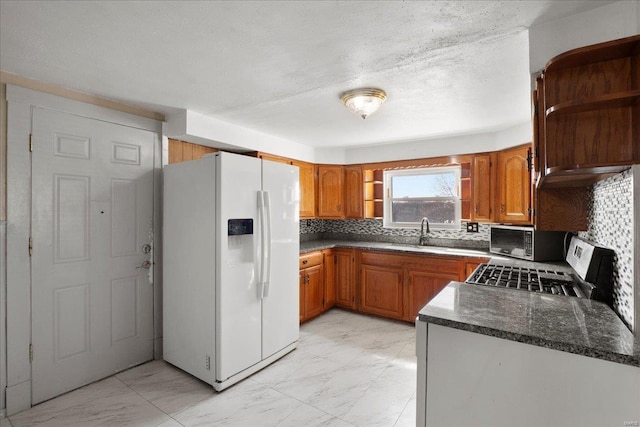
(440,211)
(425,185)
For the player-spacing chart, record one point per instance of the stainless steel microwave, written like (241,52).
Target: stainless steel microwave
(527,243)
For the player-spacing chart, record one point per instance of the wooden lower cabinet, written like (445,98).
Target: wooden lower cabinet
(383,284)
(312,285)
(381,291)
(423,286)
(330,263)
(345,278)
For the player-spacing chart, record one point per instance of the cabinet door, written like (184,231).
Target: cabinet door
(514,183)
(482,192)
(329,278)
(423,286)
(345,278)
(381,291)
(330,192)
(353,192)
(307,189)
(314,291)
(302,299)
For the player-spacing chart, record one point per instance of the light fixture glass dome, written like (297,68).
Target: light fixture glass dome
(363,101)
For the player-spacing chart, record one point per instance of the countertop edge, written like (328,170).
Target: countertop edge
(532,340)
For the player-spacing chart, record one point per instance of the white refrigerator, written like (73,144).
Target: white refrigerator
(230,265)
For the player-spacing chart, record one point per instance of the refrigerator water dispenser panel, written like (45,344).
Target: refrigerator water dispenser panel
(239,227)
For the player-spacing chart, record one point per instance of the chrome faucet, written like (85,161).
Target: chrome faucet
(423,235)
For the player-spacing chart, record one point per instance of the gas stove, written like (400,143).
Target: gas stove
(526,279)
(590,274)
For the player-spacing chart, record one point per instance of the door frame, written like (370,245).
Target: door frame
(20,102)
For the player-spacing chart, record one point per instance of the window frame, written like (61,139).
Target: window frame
(388,176)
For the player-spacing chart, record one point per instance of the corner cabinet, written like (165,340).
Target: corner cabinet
(514,185)
(589,103)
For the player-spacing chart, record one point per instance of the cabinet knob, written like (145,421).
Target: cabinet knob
(305,261)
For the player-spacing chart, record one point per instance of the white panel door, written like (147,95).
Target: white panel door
(92,213)
(238,310)
(280,306)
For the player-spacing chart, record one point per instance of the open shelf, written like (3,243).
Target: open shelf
(612,100)
(373,193)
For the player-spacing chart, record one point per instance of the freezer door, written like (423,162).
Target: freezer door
(238,303)
(280,303)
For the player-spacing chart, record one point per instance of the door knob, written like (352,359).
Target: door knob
(146,264)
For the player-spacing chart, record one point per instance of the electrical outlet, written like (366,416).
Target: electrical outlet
(472,227)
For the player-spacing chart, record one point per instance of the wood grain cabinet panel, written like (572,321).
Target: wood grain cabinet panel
(483,184)
(514,185)
(307,189)
(589,113)
(181,151)
(330,191)
(330,263)
(312,285)
(345,278)
(423,286)
(353,192)
(381,291)
(314,292)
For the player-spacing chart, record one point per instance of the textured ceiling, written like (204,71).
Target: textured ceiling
(448,67)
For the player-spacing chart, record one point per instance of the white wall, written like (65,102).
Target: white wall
(200,129)
(204,130)
(434,147)
(610,22)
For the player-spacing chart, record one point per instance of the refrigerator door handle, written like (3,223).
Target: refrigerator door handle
(267,245)
(261,213)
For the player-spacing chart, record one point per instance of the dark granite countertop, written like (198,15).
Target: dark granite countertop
(316,245)
(575,325)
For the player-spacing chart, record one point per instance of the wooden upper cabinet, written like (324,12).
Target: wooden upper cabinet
(514,185)
(353,192)
(591,113)
(180,151)
(307,189)
(330,191)
(483,184)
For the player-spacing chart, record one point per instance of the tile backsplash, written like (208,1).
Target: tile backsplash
(372,230)
(611,224)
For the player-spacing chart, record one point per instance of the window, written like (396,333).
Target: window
(412,194)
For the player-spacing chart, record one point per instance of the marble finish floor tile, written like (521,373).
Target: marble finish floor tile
(348,370)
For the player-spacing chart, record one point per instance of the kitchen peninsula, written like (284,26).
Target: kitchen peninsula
(489,356)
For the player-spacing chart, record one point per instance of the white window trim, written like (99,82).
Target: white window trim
(389,174)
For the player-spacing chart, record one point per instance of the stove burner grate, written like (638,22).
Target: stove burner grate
(526,279)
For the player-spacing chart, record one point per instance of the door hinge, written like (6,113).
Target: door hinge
(30,353)
(207,363)
(30,142)
(30,246)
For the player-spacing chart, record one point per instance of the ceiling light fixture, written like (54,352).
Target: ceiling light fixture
(363,101)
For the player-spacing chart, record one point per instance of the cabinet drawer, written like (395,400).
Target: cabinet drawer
(311,259)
